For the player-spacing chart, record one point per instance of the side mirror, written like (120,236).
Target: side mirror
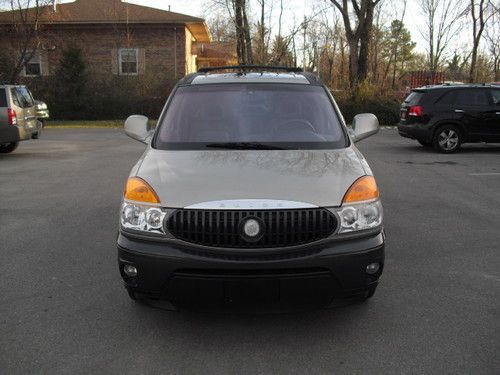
(136,127)
(364,126)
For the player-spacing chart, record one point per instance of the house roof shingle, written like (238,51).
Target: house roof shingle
(111,11)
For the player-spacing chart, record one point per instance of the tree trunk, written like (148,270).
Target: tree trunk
(365,37)
(243,39)
(246,33)
(240,38)
(353,63)
(473,62)
(478,25)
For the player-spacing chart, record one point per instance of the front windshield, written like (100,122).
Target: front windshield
(249,115)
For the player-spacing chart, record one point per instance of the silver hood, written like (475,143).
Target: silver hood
(185,178)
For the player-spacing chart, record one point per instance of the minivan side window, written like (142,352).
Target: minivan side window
(24,97)
(472,97)
(15,98)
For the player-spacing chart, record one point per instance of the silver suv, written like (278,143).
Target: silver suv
(251,191)
(18,117)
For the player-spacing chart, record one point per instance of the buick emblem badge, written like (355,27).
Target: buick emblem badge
(252,229)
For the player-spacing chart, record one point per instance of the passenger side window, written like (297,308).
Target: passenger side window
(472,98)
(447,99)
(496,96)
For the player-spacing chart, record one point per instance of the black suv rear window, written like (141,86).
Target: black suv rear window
(414,98)
(3,98)
(280,115)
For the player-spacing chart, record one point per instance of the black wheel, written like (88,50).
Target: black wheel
(424,143)
(8,147)
(447,139)
(36,135)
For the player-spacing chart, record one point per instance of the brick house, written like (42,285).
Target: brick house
(117,38)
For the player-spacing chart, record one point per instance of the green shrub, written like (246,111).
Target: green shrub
(386,109)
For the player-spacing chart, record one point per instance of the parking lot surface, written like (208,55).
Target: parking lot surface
(63,308)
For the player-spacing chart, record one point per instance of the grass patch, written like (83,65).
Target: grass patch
(79,124)
(60,124)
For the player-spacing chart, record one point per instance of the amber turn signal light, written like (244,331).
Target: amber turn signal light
(140,191)
(364,189)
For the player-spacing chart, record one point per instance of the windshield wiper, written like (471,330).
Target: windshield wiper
(245,146)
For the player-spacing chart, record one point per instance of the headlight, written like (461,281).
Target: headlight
(361,208)
(141,209)
(360,216)
(142,218)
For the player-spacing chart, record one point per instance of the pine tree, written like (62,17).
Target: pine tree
(71,84)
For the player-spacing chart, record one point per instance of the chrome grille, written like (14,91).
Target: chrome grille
(222,228)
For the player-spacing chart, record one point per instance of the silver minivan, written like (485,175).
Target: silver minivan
(251,193)
(18,117)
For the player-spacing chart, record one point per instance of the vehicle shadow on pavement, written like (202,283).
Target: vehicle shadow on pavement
(465,149)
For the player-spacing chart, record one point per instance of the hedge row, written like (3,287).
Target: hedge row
(386,110)
(116,98)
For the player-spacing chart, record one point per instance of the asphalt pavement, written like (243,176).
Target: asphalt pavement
(63,309)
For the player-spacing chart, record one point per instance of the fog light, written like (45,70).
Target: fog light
(372,268)
(129,270)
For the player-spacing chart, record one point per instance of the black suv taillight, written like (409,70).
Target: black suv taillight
(416,110)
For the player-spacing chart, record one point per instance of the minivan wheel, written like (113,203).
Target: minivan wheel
(447,139)
(8,147)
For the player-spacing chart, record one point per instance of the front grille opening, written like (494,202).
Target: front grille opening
(222,228)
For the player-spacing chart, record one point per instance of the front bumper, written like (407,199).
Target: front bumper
(313,276)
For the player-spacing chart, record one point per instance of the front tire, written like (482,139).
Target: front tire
(447,139)
(36,135)
(8,147)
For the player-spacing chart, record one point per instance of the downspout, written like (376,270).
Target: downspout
(175,52)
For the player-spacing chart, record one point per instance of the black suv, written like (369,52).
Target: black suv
(446,116)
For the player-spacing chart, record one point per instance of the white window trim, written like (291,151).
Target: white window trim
(39,63)
(136,61)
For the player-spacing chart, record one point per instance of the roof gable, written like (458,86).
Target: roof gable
(111,11)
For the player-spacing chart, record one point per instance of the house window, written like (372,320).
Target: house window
(128,59)
(33,66)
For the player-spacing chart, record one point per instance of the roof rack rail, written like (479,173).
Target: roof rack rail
(245,68)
